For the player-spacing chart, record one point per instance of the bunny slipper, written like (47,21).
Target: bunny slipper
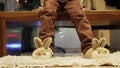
(97,50)
(43,50)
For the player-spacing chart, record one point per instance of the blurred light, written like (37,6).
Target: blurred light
(38,23)
(14,45)
(60,32)
(17,1)
(12,35)
(14,31)
(25,1)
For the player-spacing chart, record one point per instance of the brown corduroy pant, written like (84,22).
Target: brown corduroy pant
(79,19)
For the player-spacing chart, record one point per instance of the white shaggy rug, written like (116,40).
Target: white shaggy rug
(68,61)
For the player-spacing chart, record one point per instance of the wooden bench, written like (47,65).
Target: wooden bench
(99,20)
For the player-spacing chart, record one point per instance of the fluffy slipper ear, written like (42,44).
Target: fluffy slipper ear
(47,42)
(95,43)
(102,42)
(38,42)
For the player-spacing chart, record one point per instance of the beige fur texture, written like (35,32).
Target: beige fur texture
(97,50)
(42,50)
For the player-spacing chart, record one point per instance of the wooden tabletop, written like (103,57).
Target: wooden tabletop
(108,17)
(19,16)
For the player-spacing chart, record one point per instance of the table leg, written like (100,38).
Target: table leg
(2,37)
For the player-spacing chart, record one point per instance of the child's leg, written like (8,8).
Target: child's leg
(83,26)
(47,19)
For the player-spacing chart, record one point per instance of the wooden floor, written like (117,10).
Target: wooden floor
(86,67)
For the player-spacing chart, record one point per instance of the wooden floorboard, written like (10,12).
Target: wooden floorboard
(86,67)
